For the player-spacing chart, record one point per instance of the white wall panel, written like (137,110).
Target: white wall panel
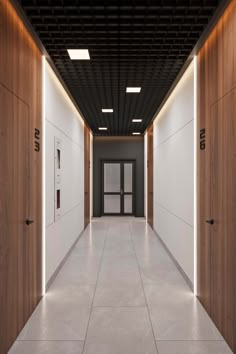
(64,122)
(177,236)
(178,110)
(60,236)
(174,173)
(174,182)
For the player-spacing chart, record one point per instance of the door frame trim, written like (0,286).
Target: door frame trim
(121,161)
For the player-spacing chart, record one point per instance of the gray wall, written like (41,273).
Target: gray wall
(109,148)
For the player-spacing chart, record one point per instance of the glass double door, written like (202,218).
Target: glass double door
(118,188)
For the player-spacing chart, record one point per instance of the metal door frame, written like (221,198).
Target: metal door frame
(121,162)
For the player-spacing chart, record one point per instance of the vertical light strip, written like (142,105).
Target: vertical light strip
(43,181)
(145,173)
(195,175)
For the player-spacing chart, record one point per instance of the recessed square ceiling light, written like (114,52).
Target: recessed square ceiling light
(107,110)
(137,120)
(136,133)
(133,89)
(102,128)
(79,54)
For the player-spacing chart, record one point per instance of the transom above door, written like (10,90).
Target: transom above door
(118,186)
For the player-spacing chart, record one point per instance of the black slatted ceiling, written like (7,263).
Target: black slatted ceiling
(131,43)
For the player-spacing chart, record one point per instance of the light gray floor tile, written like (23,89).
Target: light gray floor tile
(47,347)
(119,331)
(116,229)
(119,250)
(182,319)
(104,270)
(84,271)
(64,288)
(164,291)
(85,255)
(193,347)
(119,295)
(155,272)
(119,274)
(60,316)
(91,243)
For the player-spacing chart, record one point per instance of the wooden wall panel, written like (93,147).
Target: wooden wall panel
(8,242)
(217,175)
(21,77)
(228,39)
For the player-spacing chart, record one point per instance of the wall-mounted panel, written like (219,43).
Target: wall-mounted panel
(64,130)
(174,173)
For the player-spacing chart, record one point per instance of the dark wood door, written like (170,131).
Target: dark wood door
(223,215)
(15,253)
(150,175)
(86,176)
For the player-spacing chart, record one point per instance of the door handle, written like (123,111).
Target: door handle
(211,221)
(28,222)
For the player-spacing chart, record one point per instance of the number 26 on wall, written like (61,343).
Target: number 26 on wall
(36,140)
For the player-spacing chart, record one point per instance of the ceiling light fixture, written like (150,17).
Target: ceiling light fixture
(136,120)
(102,128)
(78,54)
(107,110)
(133,89)
(136,133)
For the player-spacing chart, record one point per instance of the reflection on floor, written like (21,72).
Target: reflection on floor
(119,293)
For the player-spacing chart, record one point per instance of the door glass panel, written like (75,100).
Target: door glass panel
(112,204)
(112,178)
(128,178)
(128,207)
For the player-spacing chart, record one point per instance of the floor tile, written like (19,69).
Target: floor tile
(84,271)
(47,347)
(60,317)
(91,243)
(119,273)
(119,266)
(163,291)
(119,249)
(118,331)
(155,271)
(184,319)
(119,295)
(193,347)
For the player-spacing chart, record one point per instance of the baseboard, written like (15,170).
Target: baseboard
(180,269)
(52,278)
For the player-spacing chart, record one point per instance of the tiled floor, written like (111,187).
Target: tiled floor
(119,293)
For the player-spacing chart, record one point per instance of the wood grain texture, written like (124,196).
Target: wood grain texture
(217,175)
(222,191)
(20,174)
(86,176)
(150,175)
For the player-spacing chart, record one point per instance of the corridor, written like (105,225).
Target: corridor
(119,293)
